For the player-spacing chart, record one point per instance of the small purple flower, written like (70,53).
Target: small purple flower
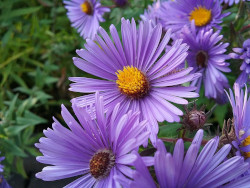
(94,149)
(207,56)
(151,13)
(137,72)
(205,13)
(231,2)
(240,103)
(244,54)
(85,16)
(193,169)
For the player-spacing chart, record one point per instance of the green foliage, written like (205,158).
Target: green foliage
(169,130)
(17,123)
(37,45)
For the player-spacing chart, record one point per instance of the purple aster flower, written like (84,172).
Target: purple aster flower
(151,13)
(240,103)
(205,13)
(139,73)
(231,2)
(206,55)
(244,54)
(85,16)
(95,149)
(205,169)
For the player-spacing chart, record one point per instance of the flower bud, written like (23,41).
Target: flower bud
(194,119)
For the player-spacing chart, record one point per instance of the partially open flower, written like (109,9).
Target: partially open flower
(240,103)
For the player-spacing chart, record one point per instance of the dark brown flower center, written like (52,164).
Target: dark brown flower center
(101,163)
(86,7)
(201,59)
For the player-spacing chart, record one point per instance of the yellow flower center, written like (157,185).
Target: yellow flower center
(132,82)
(86,7)
(246,142)
(201,16)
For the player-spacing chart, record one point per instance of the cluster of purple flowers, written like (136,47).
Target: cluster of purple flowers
(195,22)
(138,79)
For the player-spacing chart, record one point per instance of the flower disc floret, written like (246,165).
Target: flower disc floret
(201,59)
(201,16)
(246,142)
(132,82)
(86,7)
(101,163)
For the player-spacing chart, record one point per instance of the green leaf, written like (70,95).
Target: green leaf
(26,105)
(10,146)
(23,90)
(16,56)
(30,119)
(33,151)
(39,82)
(19,12)
(6,37)
(6,74)
(11,109)
(14,130)
(18,79)
(42,96)
(169,131)
(20,167)
(50,80)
